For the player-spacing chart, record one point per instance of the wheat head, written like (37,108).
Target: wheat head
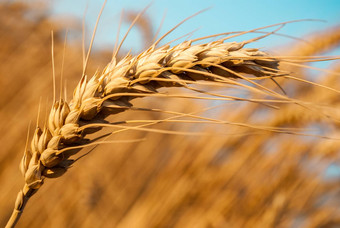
(110,92)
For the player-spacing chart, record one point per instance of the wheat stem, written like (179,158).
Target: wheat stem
(22,198)
(140,76)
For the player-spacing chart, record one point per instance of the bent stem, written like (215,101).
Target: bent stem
(23,196)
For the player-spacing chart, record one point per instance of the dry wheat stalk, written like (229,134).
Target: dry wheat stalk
(110,92)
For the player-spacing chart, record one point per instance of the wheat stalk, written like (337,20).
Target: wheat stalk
(179,170)
(110,92)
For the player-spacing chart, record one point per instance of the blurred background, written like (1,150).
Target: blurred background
(232,177)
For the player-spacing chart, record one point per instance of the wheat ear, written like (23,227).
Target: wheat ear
(110,92)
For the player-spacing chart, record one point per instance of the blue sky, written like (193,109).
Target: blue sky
(223,16)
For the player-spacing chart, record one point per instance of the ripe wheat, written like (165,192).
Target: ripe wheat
(110,92)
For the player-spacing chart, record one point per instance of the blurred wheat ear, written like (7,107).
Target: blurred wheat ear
(65,132)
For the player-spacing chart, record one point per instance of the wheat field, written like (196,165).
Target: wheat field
(206,134)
